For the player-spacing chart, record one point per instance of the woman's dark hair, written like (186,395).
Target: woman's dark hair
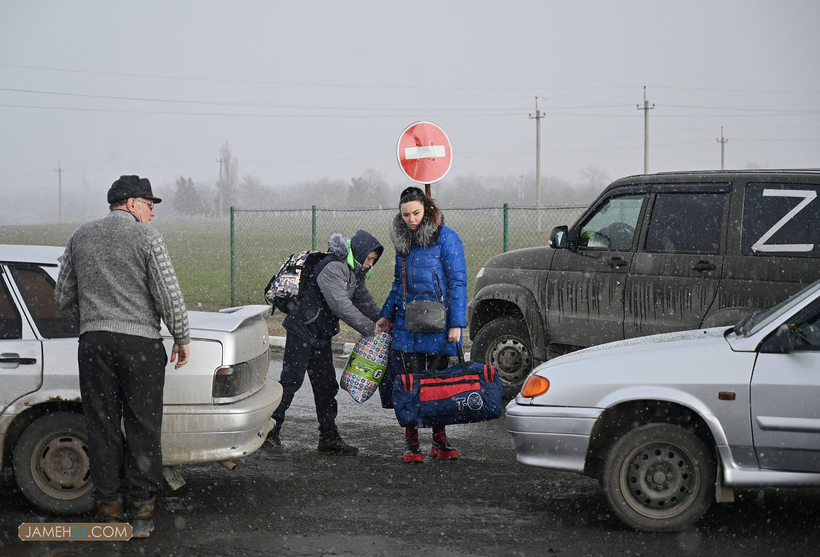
(431,210)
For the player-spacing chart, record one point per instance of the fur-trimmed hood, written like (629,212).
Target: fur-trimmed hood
(337,244)
(362,244)
(403,237)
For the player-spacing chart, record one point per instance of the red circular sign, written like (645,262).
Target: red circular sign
(424,152)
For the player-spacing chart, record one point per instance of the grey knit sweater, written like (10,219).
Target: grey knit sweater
(116,276)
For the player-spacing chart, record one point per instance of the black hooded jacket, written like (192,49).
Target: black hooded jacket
(336,290)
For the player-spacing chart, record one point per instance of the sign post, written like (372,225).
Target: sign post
(424,153)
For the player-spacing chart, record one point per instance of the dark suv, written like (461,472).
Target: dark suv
(654,253)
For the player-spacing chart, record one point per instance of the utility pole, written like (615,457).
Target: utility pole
(220,185)
(537,117)
(723,143)
(646,108)
(59,170)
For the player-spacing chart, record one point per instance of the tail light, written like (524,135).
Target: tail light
(231,381)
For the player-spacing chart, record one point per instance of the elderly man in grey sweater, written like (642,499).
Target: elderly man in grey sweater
(116,280)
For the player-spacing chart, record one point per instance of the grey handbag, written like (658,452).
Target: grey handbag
(422,316)
(425,316)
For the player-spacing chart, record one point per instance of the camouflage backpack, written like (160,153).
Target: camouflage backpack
(283,289)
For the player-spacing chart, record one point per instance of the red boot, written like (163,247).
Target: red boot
(441,447)
(411,446)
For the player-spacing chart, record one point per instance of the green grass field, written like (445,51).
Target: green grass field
(201,250)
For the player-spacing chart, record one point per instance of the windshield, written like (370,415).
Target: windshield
(750,324)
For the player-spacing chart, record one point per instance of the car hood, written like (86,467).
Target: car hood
(651,342)
(686,366)
(537,258)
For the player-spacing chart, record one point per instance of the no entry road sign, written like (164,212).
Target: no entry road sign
(424,152)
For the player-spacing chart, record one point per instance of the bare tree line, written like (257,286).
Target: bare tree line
(371,190)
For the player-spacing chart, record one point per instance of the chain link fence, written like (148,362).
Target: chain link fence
(261,240)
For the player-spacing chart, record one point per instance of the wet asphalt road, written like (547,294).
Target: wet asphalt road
(374,504)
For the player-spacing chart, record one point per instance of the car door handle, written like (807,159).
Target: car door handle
(616,262)
(10,358)
(704,266)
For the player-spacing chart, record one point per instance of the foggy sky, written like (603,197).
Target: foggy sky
(303,91)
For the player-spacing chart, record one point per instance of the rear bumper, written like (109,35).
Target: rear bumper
(212,433)
(552,437)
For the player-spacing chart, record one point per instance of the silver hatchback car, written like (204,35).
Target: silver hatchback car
(216,408)
(671,422)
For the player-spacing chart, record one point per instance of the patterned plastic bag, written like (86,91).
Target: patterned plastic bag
(366,366)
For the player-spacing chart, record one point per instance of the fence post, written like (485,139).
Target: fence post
(233,259)
(313,228)
(506,227)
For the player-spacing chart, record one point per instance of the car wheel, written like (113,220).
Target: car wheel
(659,478)
(505,343)
(51,465)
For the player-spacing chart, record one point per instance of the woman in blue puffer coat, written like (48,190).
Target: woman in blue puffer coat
(432,256)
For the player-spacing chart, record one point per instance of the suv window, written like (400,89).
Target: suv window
(613,224)
(781,219)
(686,223)
(37,289)
(11,324)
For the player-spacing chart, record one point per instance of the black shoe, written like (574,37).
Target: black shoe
(331,443)
(273,444)
(412,453)
(443,450)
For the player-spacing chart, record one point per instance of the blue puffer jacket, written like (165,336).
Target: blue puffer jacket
(434,260)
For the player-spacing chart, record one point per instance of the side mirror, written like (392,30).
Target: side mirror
(558,237)
(779,342)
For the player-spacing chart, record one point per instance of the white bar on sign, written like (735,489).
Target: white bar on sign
(424,152)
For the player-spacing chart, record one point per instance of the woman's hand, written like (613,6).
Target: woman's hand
(454,334)
(383,324)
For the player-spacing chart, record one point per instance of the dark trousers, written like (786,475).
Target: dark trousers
(416,362)
(121,380)
(301,357)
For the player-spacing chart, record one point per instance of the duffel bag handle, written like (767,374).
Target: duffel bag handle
(434,368)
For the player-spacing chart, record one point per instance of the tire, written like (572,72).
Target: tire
(505,343)
(51,465)
(659,478)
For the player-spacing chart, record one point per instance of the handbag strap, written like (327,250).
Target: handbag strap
(403,280)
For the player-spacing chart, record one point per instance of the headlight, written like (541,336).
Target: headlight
(231,381)
(535,385)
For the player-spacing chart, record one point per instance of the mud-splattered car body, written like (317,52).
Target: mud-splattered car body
(653,254)
(217,407)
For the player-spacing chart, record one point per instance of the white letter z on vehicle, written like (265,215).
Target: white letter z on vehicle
(808,196)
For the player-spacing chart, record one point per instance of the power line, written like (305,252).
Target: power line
(255,114)
(217,103)
(400,87)
(301,84)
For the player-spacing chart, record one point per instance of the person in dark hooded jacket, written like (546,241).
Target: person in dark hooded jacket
(429,258)
(335,290)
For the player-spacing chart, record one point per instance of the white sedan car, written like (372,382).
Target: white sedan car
(668,423)
(216,408)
